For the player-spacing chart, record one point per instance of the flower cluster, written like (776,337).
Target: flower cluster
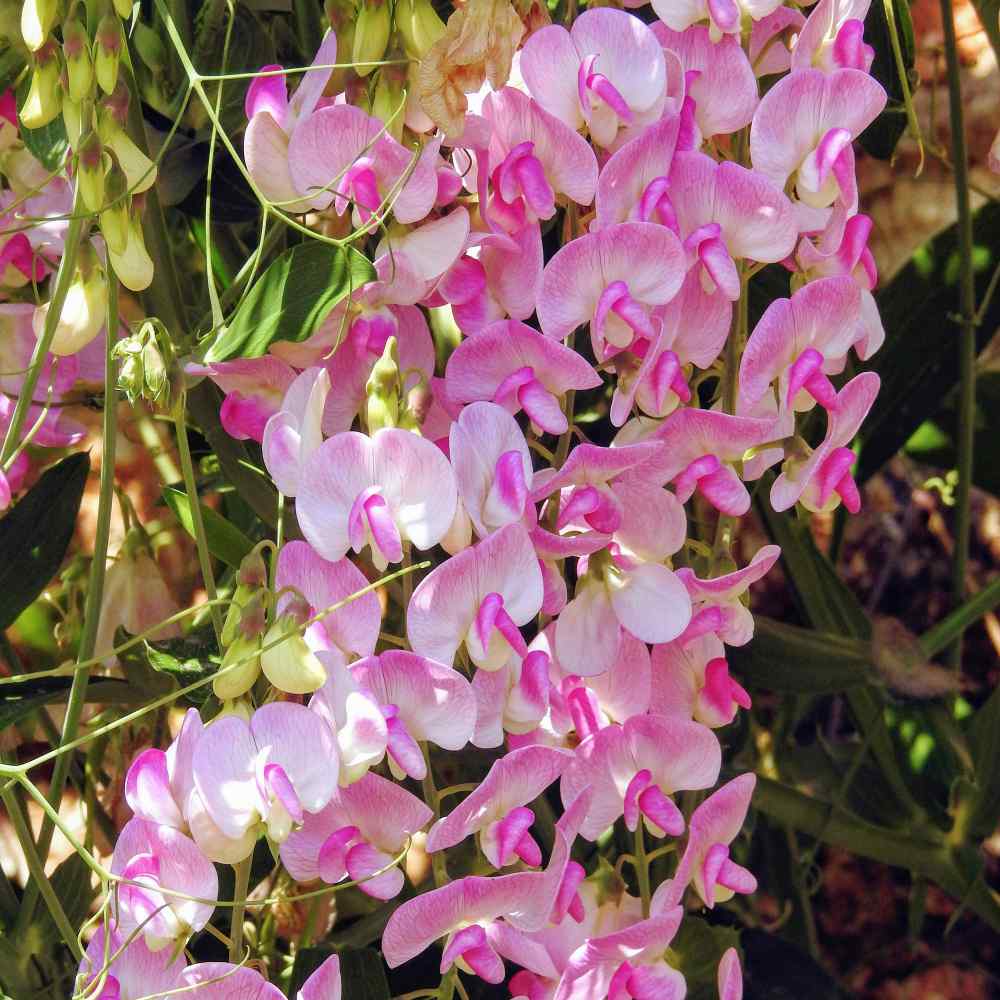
(628,179)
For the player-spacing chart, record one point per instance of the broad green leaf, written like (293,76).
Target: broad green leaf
(76,889)
(792,660)
(362,971)
(291,298)
(36,532)
(984,738)
(225,540)
(18,701)
(47,144)
(919,361)
(157,667)
(881,137)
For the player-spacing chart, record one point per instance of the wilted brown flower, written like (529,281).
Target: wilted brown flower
(478,44)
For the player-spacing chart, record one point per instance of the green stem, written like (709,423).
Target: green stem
(433,800)
(642,867)
(236,917)
(951,627)
(967,312)
(95,593)
(200,538)
(60,288)
(37,869)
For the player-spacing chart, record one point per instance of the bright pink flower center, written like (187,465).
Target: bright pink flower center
(643,797)
(849,49)
(521,177)
(806,373)
(332,862)
(665,376)
(725,14)
(401,746)
(706,246)
(493,615)
(719,869)
(514,840)
(616,300)
(721,691)
(522,390)
(370,517)
(359,185)
(591,85)
(277,785)
(470,945)
(835,477)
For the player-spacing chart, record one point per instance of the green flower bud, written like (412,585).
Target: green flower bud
(115,216)
(386,102)
(73,120)
(90,171)
(419,26)
(240,679)
(82,316)
(79,64)
(382,389)
(140,170)
(107,52)
(44,100)
(371,34)
(38,18)
(134,266)
(290,665)
(123,8)
(243,612)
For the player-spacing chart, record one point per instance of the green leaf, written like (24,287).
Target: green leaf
(154,667)
(291,299)
(225,541)
(36,532)
(48,144)
(74,886)
(792,660)
(919,362)
(362,971)
(18,701)
(984,740)
(881,137)
(695,952)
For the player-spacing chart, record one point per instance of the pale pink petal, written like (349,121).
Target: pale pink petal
(223,770)
(588,634)
(549,64)
(148,792)
(265,149)
(325,984)
(651,603)
(730,976)
(222,981)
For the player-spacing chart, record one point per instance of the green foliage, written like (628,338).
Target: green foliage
(291,299)
(35,534)
(881,137)
(18,701)
(225,541)
(696,951)
(160,666)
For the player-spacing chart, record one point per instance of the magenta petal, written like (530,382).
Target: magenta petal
(363,861)
(325,982)
(148,791)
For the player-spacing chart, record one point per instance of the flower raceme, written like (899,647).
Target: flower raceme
(583,239)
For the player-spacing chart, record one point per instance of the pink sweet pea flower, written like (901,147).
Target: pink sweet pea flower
(626,964)
(272,118)
(607,72)
(158,861)
(634,768)
(295,431)
(691,678)
(702,446)
(611,279)
(500,275)
(802,133)
(267,773)
(724,17)
(720,79)
(635,177)
(351,630)
(255,390)
(714,825)
(159,788)
(534,159)
(827,257)
(359,832)
(798,342)
(513,365)
(486,918)
(223,981)
(358,492)
(725,212)
(341,156)
(730,976)
(492,466)
(421,701)
(513,699)
(498,808)
(819,480)
(832,37)
(126,969)
(771,41)
(716,602)
(480,597)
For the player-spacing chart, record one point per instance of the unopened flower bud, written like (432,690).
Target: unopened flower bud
(107,52)
(134,266)
(290,665)
(82,314)
(419,25)
(140,171)
(90,171)
(371,34)
(123,8)
(387,102)
(72,113)
(382,389)
(79,63)
(115,215)
(38,17)
(44,100)
(237,680)
(252,577)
